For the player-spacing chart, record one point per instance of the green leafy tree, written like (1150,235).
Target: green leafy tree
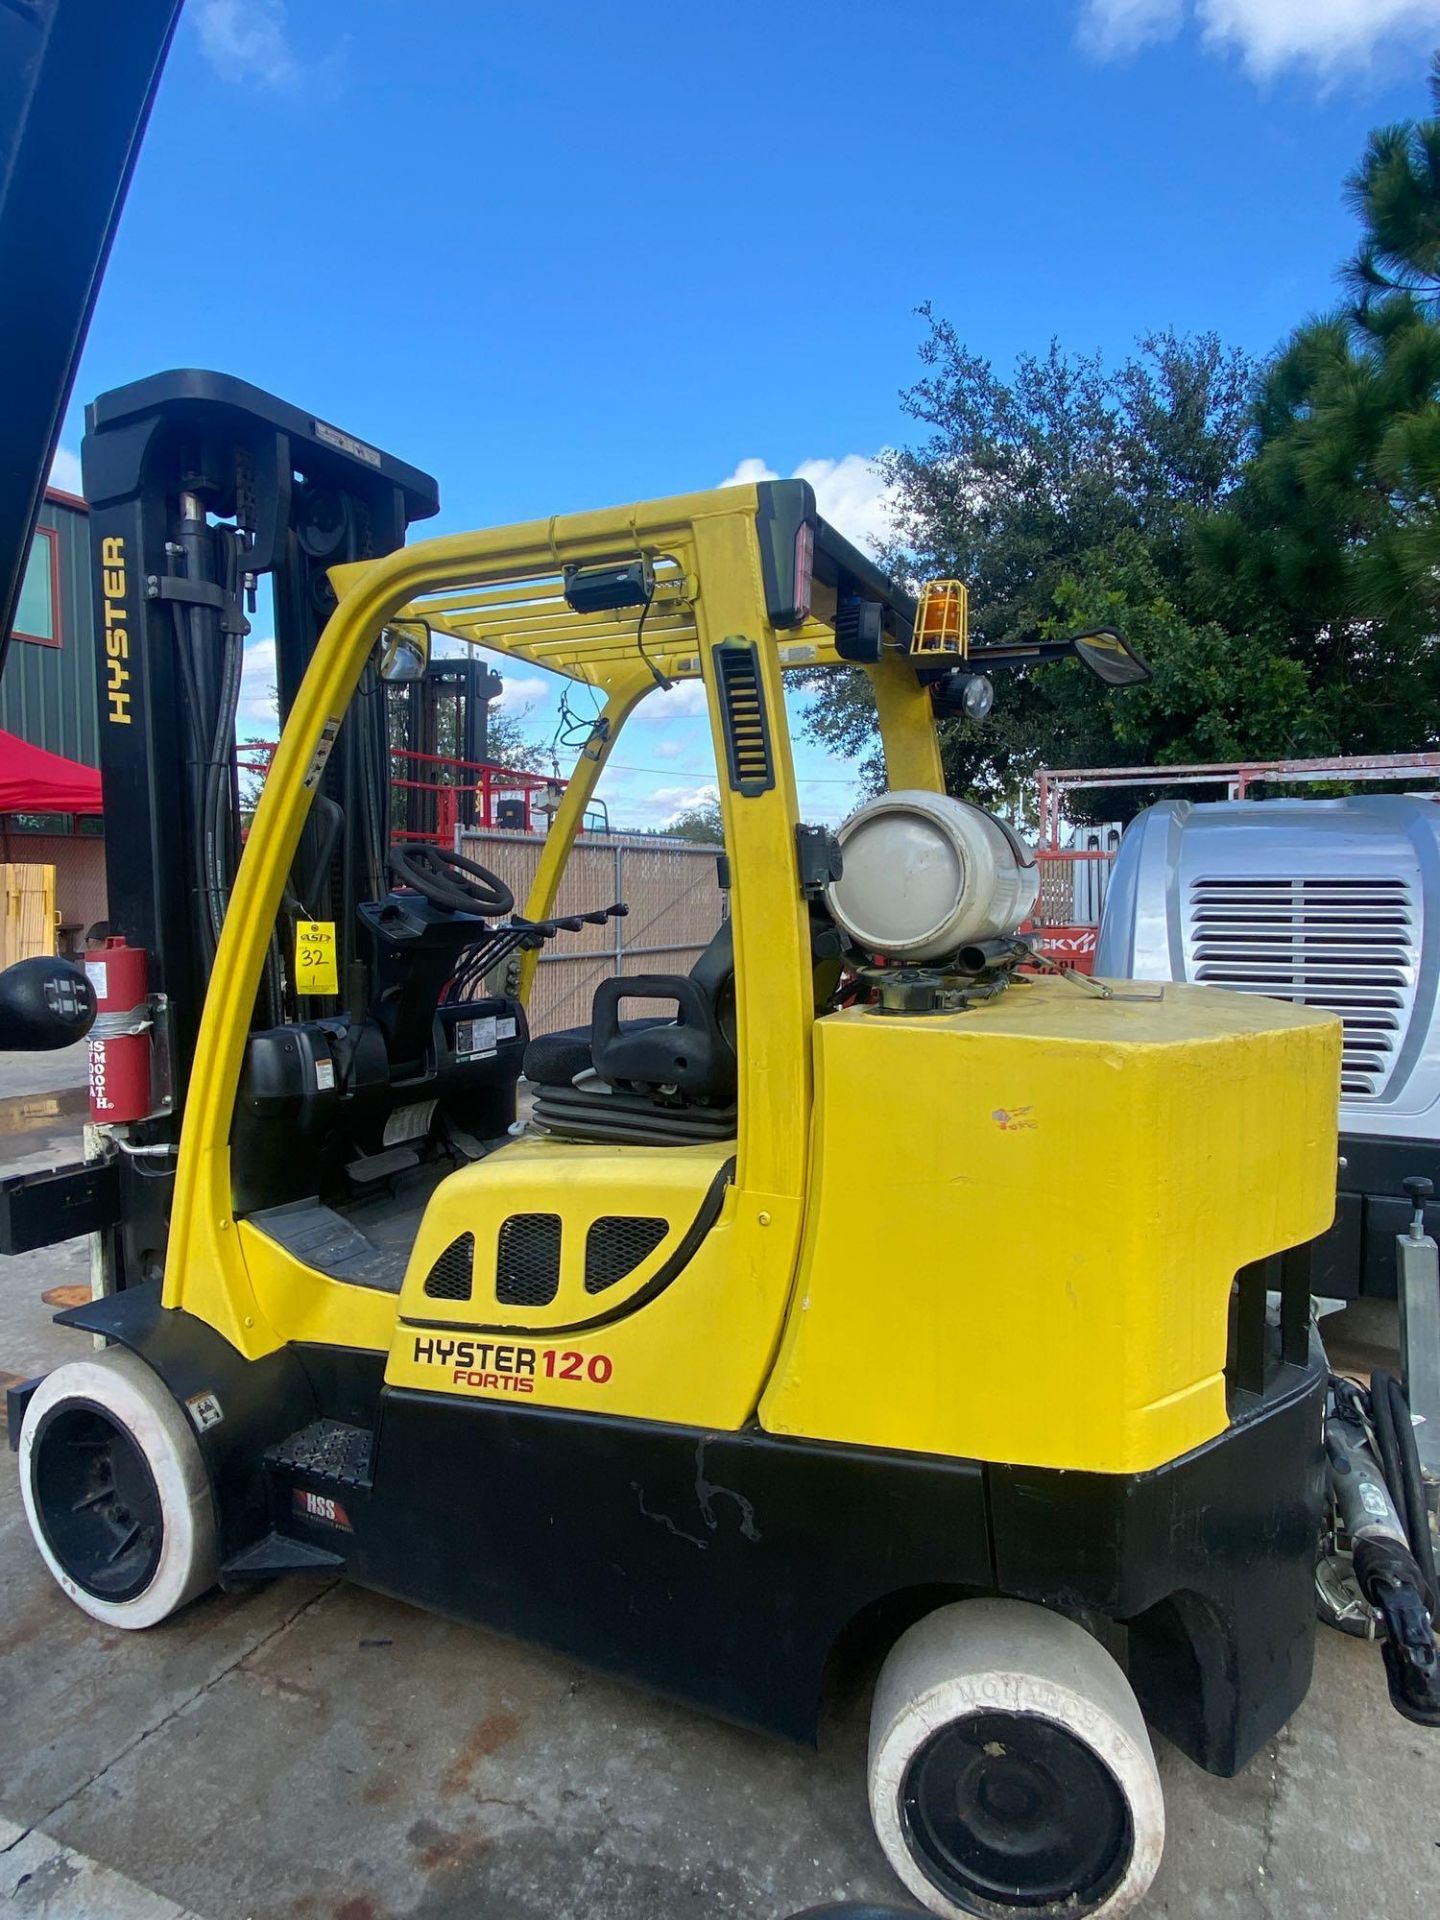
(701,824)
(510,741)
(1330,551)
(1061,496)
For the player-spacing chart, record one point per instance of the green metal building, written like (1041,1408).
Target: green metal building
(47,691)
(48,697)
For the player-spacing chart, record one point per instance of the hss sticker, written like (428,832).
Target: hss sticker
(320,1506)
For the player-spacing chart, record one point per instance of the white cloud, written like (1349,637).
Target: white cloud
(668,803)
(524,690)
(1109,27)
(684,699)
(748,472)
(258,715)
(634,810)
(849,492)
(1267,34)
(247,40)
(65,470)
(666,749)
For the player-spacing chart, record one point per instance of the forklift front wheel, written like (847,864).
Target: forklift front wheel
(116,1492)
(1010,1769)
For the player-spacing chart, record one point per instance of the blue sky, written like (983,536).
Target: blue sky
(565,254)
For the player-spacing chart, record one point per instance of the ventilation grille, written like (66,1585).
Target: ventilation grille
(453,1273)
(747,727)
(527,1265)
(616,1244)
(1347,945)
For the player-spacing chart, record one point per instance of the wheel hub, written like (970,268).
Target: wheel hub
(97,1501)
(1012,1813)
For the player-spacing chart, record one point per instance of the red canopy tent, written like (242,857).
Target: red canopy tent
(34,781)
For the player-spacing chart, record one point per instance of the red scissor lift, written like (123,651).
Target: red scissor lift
(449,792)
(434,793)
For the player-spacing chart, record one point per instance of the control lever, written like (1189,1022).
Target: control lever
(517,934)
(1417,1191)
(44,1003)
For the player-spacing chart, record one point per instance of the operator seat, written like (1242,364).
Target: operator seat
(646,1051)
(557,1059)
(654,1082)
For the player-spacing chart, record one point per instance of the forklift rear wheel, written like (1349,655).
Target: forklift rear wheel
(1010,1769)
(116,1492)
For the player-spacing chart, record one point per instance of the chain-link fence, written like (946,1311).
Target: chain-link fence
(1073,885)
(671,887)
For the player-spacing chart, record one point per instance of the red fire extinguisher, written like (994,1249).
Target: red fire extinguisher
(120,1037)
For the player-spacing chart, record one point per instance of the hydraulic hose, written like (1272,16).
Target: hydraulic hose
(1382,1418)
(1409,1494)
(219,832)
(218,824)
(195,789)
(1386,1569)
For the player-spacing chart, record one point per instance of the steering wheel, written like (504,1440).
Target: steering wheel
(450,881)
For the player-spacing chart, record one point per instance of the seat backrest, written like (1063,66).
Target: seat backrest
(693,1053)
(715,968)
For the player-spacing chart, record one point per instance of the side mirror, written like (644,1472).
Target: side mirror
(1105,652)
(404,651)
(1109,657)
(44,1003)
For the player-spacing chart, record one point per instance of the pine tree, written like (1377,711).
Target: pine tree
(1395,194)
(1331,548)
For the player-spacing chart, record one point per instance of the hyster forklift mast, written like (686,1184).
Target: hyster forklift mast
(199,485)
(444,716)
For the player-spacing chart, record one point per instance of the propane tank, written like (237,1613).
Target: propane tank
(926,875)
(120,1037)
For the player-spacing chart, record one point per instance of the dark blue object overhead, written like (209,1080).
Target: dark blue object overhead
(76,87)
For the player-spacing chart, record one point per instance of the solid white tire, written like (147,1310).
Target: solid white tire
(136,1399)
(1007,1656)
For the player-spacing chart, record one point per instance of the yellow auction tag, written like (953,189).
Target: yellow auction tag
(315,966)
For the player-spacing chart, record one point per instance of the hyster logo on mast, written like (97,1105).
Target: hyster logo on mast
(117,633)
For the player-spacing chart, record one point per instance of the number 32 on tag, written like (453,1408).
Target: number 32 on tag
(315,964)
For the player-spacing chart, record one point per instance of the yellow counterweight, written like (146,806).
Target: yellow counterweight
(1023,1221)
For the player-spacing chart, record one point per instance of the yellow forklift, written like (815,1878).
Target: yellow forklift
(856,1290)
